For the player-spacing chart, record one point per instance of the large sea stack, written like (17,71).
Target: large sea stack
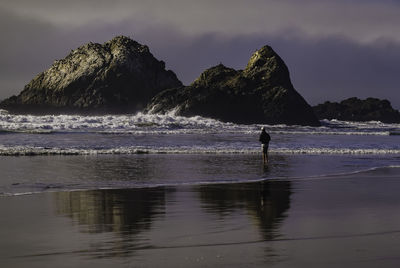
(119,76)
(261,93)
(355,109)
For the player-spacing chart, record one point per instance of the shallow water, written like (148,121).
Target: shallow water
(156,134)
(331,221)
(36,174)
(163,190)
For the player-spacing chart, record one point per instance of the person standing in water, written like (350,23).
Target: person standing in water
(264,139)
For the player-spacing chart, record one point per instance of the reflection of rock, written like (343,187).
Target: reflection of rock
(127,210)
(266,201)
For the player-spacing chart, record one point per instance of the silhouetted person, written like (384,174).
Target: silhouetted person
(264,139)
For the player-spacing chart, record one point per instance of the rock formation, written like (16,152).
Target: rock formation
(122,76)
(261,93)
(354,109)
(118,76)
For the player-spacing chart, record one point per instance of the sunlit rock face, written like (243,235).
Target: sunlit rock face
(120,75)
(261,93)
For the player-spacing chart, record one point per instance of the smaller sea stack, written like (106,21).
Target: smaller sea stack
(354,109)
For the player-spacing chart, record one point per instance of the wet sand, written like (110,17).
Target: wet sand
(332,221)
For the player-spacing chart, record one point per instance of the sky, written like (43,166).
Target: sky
(335,49)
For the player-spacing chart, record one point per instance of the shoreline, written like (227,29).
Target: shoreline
(54,173)
(344,220)
(210,183)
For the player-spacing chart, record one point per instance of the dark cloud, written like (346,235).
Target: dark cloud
(362,21)
(322,68)
(20,53)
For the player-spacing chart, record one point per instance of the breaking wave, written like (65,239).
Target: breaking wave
(141,123)
(32,151)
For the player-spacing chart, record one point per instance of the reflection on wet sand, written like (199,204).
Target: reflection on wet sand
(342,220)
(125,212)
(122,210)
(130,214)
(266,202)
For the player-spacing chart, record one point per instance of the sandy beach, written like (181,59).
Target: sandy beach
(199,134)
(330,221)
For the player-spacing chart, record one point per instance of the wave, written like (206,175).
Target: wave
(36,151)
(141,123)
(369,126)
(113,123)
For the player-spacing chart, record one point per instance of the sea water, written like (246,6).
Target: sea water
(168,191)
(75,152)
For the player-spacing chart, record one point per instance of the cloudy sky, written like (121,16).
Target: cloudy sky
(334,48)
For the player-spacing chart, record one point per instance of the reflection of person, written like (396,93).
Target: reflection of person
(264,139)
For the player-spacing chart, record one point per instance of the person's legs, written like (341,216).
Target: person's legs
(265,153)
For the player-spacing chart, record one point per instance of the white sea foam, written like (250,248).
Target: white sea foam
(365,126)
(109,123)
(172,124)
(318,151)
(30,151)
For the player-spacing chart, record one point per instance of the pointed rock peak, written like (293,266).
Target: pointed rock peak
(214,74)
(267,51)
(262,57)
(266,65)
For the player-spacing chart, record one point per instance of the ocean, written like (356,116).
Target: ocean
(150,190)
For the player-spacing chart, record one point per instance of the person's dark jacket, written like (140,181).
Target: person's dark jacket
(264,137)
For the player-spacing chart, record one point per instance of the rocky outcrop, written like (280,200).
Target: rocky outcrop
(118,76)
(261,93)
(354,109)
(122,76)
